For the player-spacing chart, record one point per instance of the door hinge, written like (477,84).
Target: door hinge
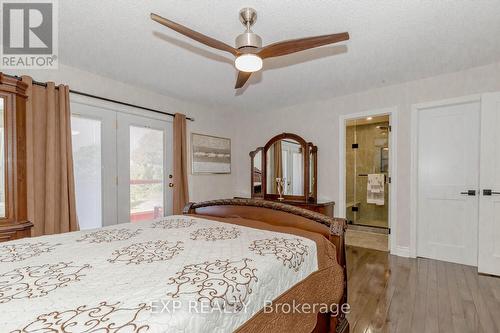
(389,180)
(390,128)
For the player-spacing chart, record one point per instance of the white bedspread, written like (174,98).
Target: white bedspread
(177,274)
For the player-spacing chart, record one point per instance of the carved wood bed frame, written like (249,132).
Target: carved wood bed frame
(286,215)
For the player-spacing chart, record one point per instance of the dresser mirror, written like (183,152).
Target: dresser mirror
(285,169)
(285,160)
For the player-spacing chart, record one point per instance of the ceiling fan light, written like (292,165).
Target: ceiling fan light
(248,63)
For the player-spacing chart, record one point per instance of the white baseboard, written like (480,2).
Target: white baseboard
(402,251)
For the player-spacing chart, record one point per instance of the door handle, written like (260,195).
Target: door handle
(469,192)
(489,192)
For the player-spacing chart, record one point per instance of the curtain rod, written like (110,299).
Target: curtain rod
(103,98)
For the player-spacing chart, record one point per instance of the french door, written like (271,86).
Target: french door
(489,216)
(448,182)
(143,168)
(122,163)
(458,212)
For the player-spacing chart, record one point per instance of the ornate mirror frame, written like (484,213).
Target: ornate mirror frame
(309,154)
(313,172)
(252,165)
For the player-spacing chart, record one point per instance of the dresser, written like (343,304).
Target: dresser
(285,170)
(325,208)
(14,222)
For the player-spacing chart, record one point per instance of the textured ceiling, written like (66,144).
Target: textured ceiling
(392,41)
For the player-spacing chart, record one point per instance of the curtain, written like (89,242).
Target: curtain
(277,164)
(51,185)
(181,193)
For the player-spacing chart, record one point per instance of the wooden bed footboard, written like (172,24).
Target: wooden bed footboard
(277,213)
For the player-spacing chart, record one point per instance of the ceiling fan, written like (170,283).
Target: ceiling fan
(249,52)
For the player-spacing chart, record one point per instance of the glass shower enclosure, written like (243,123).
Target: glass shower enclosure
(367,171)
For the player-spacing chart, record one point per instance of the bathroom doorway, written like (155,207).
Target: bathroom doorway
(367,176)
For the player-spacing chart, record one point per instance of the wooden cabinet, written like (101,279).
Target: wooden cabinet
(14,222)
(325,208)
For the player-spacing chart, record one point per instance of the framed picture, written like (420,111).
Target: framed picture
(210,154)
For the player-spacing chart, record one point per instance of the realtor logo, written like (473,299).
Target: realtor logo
(29,34)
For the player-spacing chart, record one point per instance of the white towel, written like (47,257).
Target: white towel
(375,189)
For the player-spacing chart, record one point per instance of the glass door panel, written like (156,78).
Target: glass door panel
(367,156)
(147,185)
(143,168)
(93,130)
(86,137)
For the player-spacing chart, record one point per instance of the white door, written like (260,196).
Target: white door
(144,168)
(448,167)
(489,217)
(94,161)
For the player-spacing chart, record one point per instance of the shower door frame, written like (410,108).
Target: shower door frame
(392,112)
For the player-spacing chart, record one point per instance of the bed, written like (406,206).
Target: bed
(223,266)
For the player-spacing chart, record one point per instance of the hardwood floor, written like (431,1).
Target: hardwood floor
(394,294)
(369,240)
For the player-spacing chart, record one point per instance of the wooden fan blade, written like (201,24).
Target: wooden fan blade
(301,44)
(209,41)
(242,79)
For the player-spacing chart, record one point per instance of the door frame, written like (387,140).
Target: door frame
(415,109)
(486,245)
(392,112)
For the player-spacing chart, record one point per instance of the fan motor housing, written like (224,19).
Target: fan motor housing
(248,39)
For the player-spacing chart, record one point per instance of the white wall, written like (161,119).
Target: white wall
(319,122)
(208,119)
(316,122)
